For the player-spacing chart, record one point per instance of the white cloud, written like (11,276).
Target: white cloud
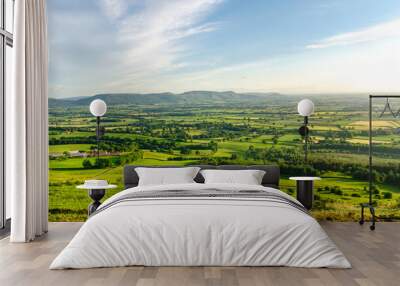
(373,68)
(148,47)
(140,41)
(153,39)
(378,32)
(114,9)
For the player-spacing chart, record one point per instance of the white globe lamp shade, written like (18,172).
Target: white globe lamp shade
(98,107)
(305,107)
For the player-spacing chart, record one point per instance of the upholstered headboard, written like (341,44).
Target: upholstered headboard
(271,177)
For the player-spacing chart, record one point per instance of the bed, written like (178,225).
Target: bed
(198,224)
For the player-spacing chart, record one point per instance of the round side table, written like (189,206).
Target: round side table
(96,193)
(305,193)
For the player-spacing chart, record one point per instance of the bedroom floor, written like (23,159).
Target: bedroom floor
(375,257)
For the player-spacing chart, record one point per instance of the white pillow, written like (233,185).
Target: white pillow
(248,177)
(166,176)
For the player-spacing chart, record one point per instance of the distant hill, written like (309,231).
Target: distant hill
(55,102)
(190,97)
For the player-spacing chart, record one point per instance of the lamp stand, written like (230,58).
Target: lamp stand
(98,137)
(303,131)
(305,141)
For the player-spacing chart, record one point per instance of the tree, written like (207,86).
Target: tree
(387,195)
(87,164)
(275,139)
(102,163)
(185,150)
(213,146)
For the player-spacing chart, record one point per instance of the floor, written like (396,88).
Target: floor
(375,257)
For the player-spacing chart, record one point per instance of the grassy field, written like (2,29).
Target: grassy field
(226,135)
(69,147)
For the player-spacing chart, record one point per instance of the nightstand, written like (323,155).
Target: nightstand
(305,194)
(96,190)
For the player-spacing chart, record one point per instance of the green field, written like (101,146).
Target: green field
(69,147)
(229,134)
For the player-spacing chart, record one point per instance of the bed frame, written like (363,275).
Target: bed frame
(271,177)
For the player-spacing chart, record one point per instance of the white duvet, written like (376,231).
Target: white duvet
(199,231)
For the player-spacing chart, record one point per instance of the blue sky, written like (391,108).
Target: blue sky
(288,46)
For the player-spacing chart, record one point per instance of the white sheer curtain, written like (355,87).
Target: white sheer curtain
(27,125)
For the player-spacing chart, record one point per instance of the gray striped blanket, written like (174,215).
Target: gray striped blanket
(202,194)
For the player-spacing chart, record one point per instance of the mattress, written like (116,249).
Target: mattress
(201,225)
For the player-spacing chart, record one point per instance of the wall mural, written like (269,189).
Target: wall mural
(218,82)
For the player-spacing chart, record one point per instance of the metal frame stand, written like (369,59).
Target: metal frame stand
(371,205)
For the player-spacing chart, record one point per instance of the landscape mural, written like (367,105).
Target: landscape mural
(186,85)
(226,128)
